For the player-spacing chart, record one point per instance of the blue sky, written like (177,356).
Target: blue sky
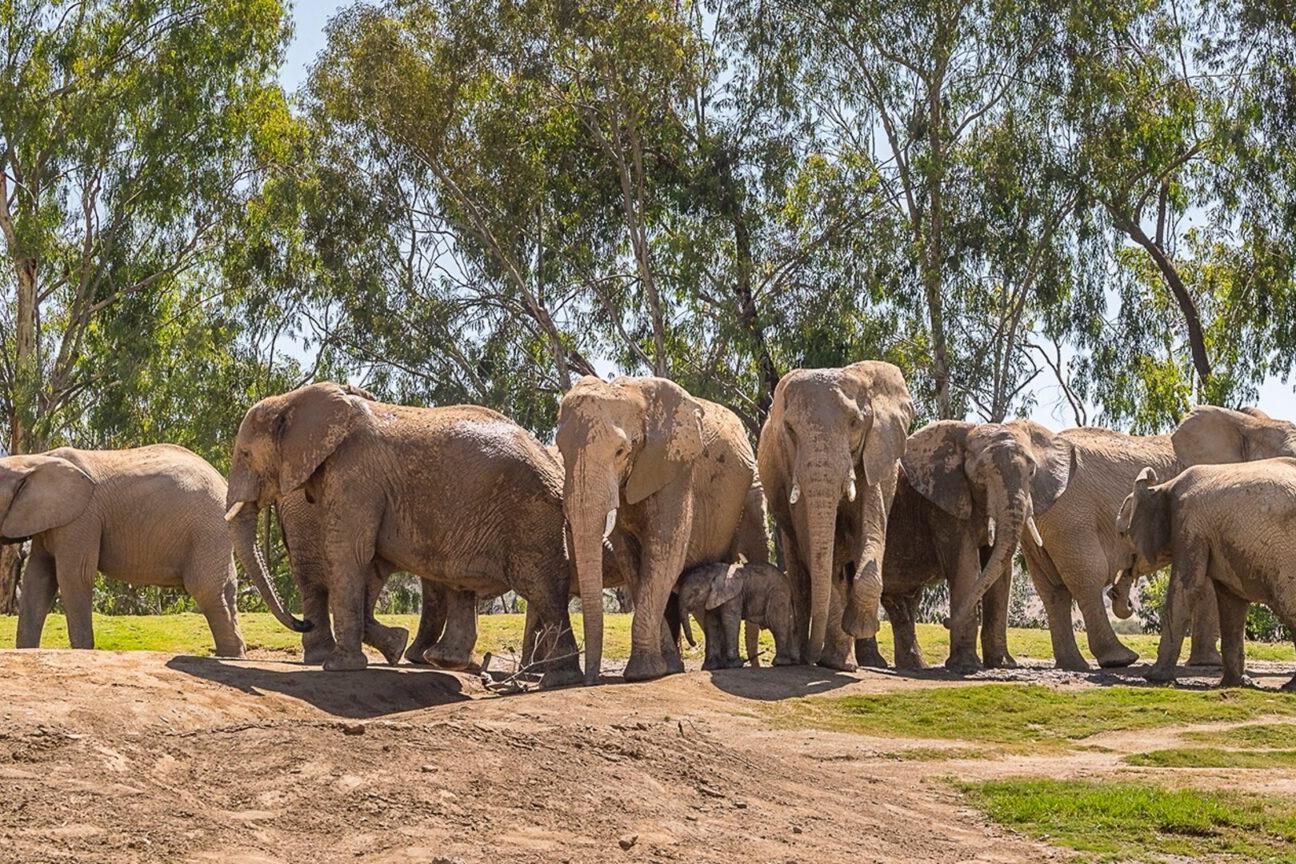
(311,16)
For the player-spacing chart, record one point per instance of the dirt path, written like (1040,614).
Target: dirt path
(147,757)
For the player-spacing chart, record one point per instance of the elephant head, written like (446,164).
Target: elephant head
(708,587)
(1211,435)
(1144,524)
(834,437)
(995,476)
(282,441)
(620,440)
(39,493)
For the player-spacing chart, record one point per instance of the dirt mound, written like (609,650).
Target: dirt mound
(146,757)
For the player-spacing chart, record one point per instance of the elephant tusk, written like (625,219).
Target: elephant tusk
(1034,531)
(795,495)
(610,523)
(990,529)
(234,511)
(850,486)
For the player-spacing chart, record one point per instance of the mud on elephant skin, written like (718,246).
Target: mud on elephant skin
(1225,530)
(827,458)
(460,494)
(671,472)
(965,495)
(146,516)
(722,596)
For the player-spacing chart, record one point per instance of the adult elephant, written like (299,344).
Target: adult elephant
(147,516)
(965,494)
(1083,552)
(1211,435)
(671,472)
(827,455)
(460,493)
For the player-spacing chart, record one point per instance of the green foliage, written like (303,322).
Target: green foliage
(1213,757)
(1142,822)
(1262,625)
(1017,714)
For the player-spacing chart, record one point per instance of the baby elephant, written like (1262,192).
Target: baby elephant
(721,595)
(1226,532)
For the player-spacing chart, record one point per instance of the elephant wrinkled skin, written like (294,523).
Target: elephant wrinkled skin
(827,457)
(721,596)
(965,495)
(1226,531)
(671,472)
(459,494)
(147,516)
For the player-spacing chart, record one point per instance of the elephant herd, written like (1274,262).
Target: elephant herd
(661,491)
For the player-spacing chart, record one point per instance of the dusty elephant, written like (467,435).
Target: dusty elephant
(147,516)
(673,473)
(1083,552)
(460,493)
(965,495)
(827,455)
(1210,435)
(722,596)
(1225,529)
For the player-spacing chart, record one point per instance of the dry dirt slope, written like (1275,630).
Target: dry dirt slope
(145,757)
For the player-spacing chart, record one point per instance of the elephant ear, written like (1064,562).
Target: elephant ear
(52,494)
(726,585)
(934,464)
(672,438)
(317,419)
(1210,435)
(883,399)
(1055,460)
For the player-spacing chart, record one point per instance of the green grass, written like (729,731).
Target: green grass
(938,754)
(1018,713)
(1141,822)
(1274,735)
(1213,757)
(188,634)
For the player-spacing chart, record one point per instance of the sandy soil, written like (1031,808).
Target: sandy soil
(136,756)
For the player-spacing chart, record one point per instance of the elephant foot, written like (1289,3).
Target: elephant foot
(712,663)
(346,661)
(735,663)
(1072,665)
(1243,681)
(414,653)
(867,654)
(1289,687)
(674,664)
(231,651)
(1160,675)
(645,667)
(392,644)
(1118,658)
(1205,658)
(317,654)
(1003,661)
(963,665)
(448,657)
(779,660)
(566,675)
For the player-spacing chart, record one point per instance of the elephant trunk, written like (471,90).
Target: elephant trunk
(822,488)
(1010,519)
(591,513)
(243,532)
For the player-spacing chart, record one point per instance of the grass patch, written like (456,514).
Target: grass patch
(1141,822)
(187,633)
(1274,735)
(1020,713)
(938,754)
(1213,757)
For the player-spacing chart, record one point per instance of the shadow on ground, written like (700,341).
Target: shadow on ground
(772,683)
(373,692)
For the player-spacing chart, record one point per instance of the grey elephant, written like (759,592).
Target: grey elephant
(827,457)
(721,596)
(965,494)
(674,474)
(147,516)
(1225,530)
(1082,551)
(461,494)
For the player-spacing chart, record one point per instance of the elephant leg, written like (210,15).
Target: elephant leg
(838,644)
(37,598)
(799,580)
(1110,652)
(350,568)
(215,593)
(1057,600)
(1205,631)
(731,623)
(389,641)
(967,563)
(867,653)
(713,631)
(75,574)
(544,584)
(455,648)
(902,609)
(317,643)
(670,517)
(1187,571)
(672,626)
(1232,612)
(432,620)
(994,625)
(751,635)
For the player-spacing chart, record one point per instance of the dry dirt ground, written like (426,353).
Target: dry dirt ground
(124,757)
